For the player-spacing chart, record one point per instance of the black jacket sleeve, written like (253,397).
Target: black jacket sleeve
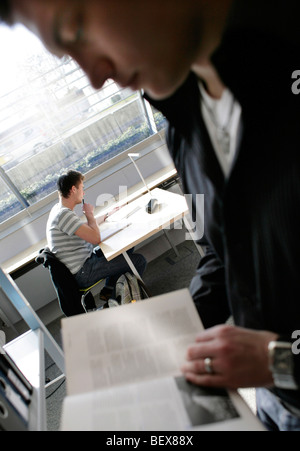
(208,290)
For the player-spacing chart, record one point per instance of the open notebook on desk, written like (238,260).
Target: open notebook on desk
(122,369)
(112,228)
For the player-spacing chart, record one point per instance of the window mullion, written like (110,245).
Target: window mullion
(13,188)
(148,114)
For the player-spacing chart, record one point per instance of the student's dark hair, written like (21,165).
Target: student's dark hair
(67,181)
(5,11)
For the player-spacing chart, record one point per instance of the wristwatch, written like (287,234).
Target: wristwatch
(281,364)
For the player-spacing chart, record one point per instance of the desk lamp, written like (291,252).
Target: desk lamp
(151,206)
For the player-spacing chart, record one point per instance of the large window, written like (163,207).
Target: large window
(52,120)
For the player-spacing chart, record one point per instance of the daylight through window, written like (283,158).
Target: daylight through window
(53,120)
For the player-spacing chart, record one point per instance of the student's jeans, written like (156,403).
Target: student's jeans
(274,413)
(97,267)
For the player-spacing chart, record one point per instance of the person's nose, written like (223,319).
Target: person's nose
(98,70)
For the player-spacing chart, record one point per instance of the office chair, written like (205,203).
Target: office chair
(72,299)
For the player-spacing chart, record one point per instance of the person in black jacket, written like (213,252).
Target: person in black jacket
(225,74)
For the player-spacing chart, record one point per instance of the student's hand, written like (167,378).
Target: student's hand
(239,358)
(88,210)
(110,213)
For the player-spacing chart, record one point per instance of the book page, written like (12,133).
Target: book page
(130,343)
(122,368)
(166,404)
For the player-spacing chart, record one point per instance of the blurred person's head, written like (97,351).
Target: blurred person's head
(148,44)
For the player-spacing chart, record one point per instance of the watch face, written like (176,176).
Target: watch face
(282,360)
(282,365)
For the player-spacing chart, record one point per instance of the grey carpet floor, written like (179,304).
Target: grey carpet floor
(169,272)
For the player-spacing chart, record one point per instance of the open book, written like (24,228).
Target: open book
(122,369)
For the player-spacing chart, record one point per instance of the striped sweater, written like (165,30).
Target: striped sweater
(62,241)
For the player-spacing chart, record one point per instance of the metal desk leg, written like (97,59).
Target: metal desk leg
(192,236)
(131,266)
(171,244)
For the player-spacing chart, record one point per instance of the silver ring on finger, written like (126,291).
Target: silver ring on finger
(208,365)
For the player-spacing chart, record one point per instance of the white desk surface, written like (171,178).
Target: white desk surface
(142,225)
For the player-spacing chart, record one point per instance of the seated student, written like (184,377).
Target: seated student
(73,241)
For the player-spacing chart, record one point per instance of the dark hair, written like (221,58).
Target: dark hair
(5,11)
(67,181)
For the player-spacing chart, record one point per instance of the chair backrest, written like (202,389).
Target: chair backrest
(65,284)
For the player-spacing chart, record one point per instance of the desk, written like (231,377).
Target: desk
(142,225)
(24,261)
